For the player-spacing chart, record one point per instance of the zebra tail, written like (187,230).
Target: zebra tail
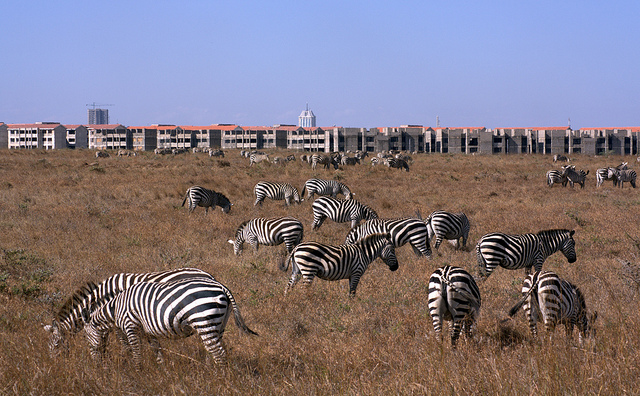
(185,199)
(474,301)
(514,310)
(304,188)
(236,314)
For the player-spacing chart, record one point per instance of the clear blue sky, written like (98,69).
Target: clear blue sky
(357,63)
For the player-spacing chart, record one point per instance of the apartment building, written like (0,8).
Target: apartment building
(41,135)
(77,136)
(109,137)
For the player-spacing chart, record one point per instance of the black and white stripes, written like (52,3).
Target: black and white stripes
(401,231)
(522,251)
(270,232)
(200,196)
(171,310)
(450,226)
(325,187)
(313,259)
(340,211)
(276,191)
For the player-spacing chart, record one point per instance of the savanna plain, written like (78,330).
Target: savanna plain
(67,218)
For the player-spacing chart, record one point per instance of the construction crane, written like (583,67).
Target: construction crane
(94,104)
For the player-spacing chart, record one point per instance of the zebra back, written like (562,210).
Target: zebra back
(340,211)
(270,232)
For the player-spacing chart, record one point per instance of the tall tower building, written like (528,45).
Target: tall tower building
(307,118)
(98,116)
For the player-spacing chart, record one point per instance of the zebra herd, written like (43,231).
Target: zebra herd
(569,175)
(183,302)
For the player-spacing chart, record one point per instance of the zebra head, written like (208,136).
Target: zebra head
(613,173)
(240,238)
(56,336)
(568,248)
(224,203)
(388,254)
(562,240)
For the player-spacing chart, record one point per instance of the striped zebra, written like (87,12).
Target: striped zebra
(350,161)
(621,176)
(453,296)
(69,321)
(549,299)
(340,211)
(375,161)
(559,157)
(255,158)
(200,196)
(574,176)
(555,176)
(402,230)
(325,160)
(325,187)
(450,226)
(313,259)
(602,174)
(269,232)
(171,310)
(275,191)
(397,163)
(523,251)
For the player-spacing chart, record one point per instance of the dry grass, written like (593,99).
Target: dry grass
(66,219)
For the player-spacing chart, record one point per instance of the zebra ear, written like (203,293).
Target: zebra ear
(572,232)
(230,241)
(86,316)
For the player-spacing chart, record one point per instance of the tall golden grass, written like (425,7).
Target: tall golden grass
(66,219)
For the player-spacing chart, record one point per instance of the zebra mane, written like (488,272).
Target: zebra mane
(546,233)
(241,226)
(79,296)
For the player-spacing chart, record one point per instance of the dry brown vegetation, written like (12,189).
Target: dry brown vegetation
(66,219)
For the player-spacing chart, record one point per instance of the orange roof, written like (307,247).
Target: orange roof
(33,126)
(104,126)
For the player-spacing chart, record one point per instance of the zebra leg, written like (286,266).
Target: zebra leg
(295,271)
(317,222)
(456,327)
(133,339)
(213,344)
(155,347)
(438,242)
(287,200)
(259,200)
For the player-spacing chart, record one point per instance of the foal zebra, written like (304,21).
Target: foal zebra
(172,310)
(574,176)
(522,251)
(276,191)
(340,211)
(269,232)
(332,263)
(454,296)
(401,231)
(89,297)
(549,299)
(325,187)
(325,160)
(450,226)
(621,176)
(200,196)
(556,176)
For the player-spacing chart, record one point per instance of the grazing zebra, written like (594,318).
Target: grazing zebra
(329,262)
(549,299)
(89,297)
(454,296)
(126,153)
(171,310)
(450,226)
(405,157)
(621,176)
(255,158)
(523,251)
(556,176)
(200,196)
(403,230)
(340,211)
(397,163)
(559,157)
(325,160)
(162,151)
(325,187)
(276,191)
(269,232)
(602,174)
(375,161)
(574,176)
(350,161)
(216,153)
(102,154)
(361,155)
(304,158)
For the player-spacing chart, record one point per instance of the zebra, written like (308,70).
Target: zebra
(171,310)
(340,211)
(325,160)
(556,176)
(313,259)
(574,176)
(270,232)
(89,297)
(255,158)
(621,176)
(450,226)
(402,230)
(126,153)
(397,163)
(454,296)
(375,161)
(350,161)
(200,196)
(304,158)
(325,187)
(162,151)
(559,157)
(216,153)
(602,174)
(276,191)
(523,251)
(550,299)
(102,154)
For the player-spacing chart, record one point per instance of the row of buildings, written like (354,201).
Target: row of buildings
(412,138)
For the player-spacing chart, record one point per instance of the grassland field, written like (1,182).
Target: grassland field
(67,218)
